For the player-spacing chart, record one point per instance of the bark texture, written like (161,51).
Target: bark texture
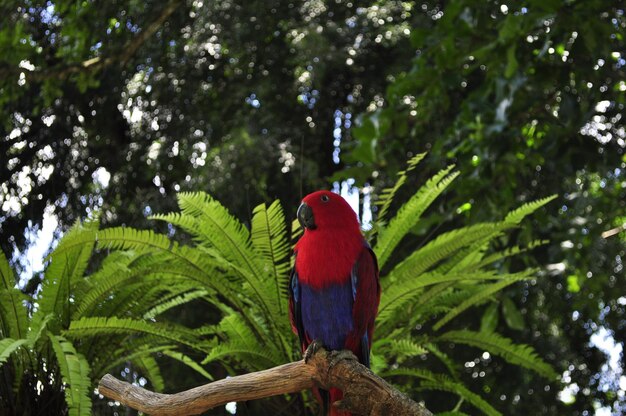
(364,392)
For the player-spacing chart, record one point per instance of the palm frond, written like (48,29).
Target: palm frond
(520,354)
(75,374)
(409,214)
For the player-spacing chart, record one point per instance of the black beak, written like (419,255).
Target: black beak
(305,217)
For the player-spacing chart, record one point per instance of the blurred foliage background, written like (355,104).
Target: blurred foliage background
(115,106)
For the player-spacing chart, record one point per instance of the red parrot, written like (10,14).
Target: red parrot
(334,290)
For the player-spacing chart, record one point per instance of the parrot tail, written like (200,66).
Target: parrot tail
(334,395)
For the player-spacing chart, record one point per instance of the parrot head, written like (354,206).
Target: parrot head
(325,210)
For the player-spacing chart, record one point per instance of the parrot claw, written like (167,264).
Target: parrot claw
(311,350)
(337,356)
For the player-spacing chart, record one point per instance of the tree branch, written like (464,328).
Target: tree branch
(364,392)
(97,63)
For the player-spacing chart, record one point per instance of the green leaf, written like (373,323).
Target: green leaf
(269,239)
(489,321)
(178,356)
(520,354)
(97,326)
(397,296)
(441,248)
(573,285)
(386,196)
(512,316)
(150,369)
(75,375)
(483,295)
(434,381)
(517,215)
(13,314)
(67,266)
(8,346)
(512,64)
(409,214)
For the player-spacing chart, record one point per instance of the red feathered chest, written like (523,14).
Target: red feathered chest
(325,257)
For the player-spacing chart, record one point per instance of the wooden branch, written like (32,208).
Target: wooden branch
(364,392)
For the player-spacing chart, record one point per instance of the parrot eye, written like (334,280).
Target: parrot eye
(324,198)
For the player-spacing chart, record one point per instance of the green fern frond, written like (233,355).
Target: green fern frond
(96,326)
(37,327)
(269,239)
(441,382)
(182,358)
(397,296)
(216,227)
(296,229)
(83,234)
(126,238)
(13,313)
(67,266)
(386,196)
(171,260)
(149,368)
(103,283)
(442,247)
(75,374)
(239,340)
(493,257)
(517,215)
(6,274)
(252,358)
(444,358)
(175,301)
(128,352)
(484,295)
(409,214)
(522,355)
(225,239)
(8,346)
(404,348)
